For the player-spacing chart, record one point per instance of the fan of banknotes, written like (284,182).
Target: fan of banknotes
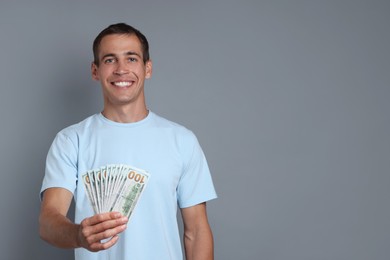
(115,187)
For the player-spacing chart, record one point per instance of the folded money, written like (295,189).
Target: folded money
(115,187)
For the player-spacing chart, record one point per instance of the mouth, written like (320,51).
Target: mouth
(122,84)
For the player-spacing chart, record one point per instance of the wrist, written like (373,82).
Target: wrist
(78,233)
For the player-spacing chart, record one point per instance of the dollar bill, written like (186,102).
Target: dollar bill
(130,191)
(115,187)
(88,185)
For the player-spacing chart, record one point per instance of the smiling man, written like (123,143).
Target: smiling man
(127,133)
(121,69)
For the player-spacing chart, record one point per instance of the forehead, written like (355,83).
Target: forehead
(119,44)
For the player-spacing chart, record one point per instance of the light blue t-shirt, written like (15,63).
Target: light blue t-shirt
(170,153)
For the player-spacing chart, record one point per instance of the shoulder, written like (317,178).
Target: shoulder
(182,138)
(73,132)
(178,130)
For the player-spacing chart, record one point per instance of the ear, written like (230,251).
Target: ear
(148,69)
(94,73)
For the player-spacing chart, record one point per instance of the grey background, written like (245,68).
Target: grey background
(289,100)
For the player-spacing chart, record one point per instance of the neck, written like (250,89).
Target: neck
(125,114)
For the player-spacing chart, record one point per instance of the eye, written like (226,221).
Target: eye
(132,59)
(109,60)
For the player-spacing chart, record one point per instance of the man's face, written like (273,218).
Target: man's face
(121,70)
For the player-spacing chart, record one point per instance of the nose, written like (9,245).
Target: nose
(121,68)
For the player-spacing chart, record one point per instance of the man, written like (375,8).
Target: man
(126,132)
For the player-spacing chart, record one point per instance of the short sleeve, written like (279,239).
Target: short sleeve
(61,165)
(195,185)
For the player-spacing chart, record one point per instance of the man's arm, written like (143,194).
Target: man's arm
(58,230)
(198,238)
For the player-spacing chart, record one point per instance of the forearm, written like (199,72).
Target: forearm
(199,245)
(58,230)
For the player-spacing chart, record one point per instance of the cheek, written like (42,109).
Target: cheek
(102,74)
(140,72)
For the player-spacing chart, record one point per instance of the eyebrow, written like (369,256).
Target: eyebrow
(129,53)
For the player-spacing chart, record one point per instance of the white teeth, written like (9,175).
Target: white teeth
(122,84)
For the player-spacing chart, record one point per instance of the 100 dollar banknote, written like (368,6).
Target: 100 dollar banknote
(115,188)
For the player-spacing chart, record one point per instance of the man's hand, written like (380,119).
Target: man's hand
(100,231)
(95,233)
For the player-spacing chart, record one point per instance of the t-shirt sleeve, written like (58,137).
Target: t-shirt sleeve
(195,185)
(61,165)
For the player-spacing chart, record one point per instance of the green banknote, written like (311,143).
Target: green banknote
(115,187)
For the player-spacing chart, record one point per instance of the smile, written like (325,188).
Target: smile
(122,84)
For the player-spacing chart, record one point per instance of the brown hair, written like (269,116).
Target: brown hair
(120,28)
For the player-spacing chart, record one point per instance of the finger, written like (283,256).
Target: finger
(106,245)
(101,217)
(101,227)
(108,233)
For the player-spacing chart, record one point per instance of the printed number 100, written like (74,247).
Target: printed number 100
(136,177)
